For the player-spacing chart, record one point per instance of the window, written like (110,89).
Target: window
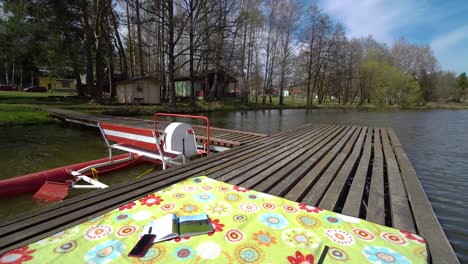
(139,89)
(65,84)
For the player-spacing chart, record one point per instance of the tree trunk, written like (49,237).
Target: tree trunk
(244,79)
(101,9)
(272,65)
(13,71)
(162,51)
(206,86)
(111,82)
(120,46)
(130,42)
(249,65)
(283,70)
(6,73)
(87,48)
(214,87)
(140,43)
(21,77)
(191,51)
(170,47)
(267,70)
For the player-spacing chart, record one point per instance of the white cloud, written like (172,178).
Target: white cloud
(447,41)
(451,49)
(380,18)
(388,20)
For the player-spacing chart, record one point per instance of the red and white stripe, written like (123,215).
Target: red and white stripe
(139,137)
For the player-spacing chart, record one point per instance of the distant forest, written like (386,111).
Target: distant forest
(267,45)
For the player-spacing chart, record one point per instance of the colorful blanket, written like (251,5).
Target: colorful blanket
(249,227)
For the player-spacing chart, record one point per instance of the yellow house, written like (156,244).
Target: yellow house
(57,84)
(139,90)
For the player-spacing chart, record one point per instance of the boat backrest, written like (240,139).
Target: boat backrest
(133,136)
(180,137)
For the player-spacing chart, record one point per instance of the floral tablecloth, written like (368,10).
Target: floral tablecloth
(249,227)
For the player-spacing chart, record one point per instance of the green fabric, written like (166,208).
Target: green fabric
(250,227)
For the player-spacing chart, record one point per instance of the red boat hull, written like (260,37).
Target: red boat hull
(32,182)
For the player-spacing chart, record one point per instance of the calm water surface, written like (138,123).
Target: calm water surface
(436,142)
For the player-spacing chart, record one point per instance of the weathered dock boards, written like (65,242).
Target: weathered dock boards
(218,136)
(358,171)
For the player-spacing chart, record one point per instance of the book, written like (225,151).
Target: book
(171,226)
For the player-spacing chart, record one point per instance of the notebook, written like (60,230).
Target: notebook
(171,226)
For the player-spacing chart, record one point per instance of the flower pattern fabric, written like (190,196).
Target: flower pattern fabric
(248,227)
(105,252)
(264,238)
(413,237)
(204,197)
(310,209)
(299,258)
(17,256)
(151,200)
(217,226)
(274,220)
(127,206)
(240,189)
(383,255)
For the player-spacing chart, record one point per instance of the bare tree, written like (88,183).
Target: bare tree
(120,47)
(140,42)
(270,50)
(87,47)
(290,20)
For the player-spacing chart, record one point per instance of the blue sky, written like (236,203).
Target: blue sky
(441,24)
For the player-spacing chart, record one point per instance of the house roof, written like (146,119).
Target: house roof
(134,79)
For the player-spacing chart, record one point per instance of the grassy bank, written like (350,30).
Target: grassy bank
(26,108)
(20,108)
(23,115)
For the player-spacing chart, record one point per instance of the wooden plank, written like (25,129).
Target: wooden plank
(218,140)
(250,157)
(31,227)
(331,198)
(266,182)
(314,195)
(240,137)
(248,140)
(300,189)
(221,136)
(425,218)
(376,204)
(247,159)
(268,165)
(399,206)
(112,198)
(277,138)
(268,162)
(353,201)
(64,218)
(288,180)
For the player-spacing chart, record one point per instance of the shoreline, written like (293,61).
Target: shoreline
(18,109)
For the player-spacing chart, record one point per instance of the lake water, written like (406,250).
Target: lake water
(436,142)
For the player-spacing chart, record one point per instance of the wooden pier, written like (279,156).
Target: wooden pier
(220,137)
(357,171)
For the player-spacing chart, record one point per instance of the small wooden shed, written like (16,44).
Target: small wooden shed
(138,90)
